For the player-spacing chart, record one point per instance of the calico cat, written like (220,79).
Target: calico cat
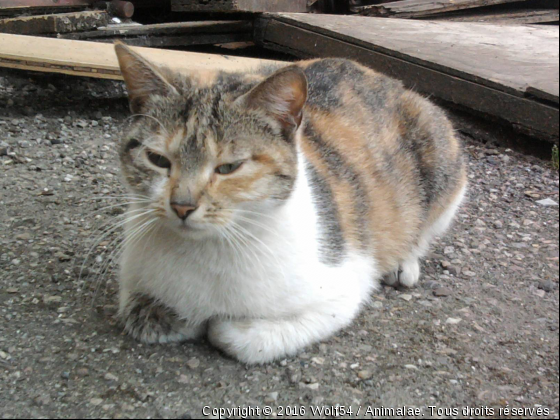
(269,205)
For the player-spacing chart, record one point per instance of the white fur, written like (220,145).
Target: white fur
(265,301)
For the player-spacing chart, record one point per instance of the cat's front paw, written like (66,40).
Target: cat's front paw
(150,322)
(408,275)
(250,341)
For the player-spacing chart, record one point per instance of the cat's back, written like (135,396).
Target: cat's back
(386,159)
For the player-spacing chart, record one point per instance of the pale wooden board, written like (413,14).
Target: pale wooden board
(508,58)
(92,59)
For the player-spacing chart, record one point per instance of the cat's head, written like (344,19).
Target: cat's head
(208,152)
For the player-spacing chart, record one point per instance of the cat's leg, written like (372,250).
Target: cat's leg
(258,341)
(151,322)
(408,273)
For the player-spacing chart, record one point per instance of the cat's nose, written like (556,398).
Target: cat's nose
(183,210)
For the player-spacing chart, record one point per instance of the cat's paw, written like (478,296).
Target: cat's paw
(150,322)
(250,341)
(408,275)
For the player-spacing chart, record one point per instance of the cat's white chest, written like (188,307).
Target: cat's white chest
(268,277)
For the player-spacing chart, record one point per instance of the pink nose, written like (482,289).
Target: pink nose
(183,211)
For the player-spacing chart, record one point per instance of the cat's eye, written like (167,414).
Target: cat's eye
(229,168)
(159,160)
(133,144)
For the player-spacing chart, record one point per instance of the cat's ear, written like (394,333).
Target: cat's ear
(142,78)
(283,96)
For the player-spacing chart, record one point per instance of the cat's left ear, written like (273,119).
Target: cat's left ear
(143,79)
(283,96)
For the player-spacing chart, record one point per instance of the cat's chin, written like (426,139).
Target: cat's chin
(191,231)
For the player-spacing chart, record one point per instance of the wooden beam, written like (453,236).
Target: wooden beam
(17,7)
(55,24)
(42,3)
(92,59)
(514,17)
(476,67)
(421,8)
(172,34)
(255,6)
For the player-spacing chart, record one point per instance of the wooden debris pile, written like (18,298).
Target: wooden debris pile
(107,21)
(54,17)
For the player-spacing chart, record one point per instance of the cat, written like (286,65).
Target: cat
(269,205)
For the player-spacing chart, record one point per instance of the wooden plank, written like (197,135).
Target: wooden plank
(396,48)
(53,24)
(172,34)
(515,17)
(421,8)
(506,58)
(23,4)
(181,28)
(12,7)
(92,59)
(255,6)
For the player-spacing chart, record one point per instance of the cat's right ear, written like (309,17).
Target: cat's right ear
(283,96)
(143,79)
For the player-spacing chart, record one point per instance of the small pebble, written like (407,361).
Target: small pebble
(548,202)
(193,363)
(365,375)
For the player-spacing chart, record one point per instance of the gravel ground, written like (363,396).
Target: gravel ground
(480,332)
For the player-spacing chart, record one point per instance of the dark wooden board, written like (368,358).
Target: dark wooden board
(55,24)
(402,56)
(517,17)
(23,4)
(256,6)
(17,7)
(422,8)
(508,58)
(172,34)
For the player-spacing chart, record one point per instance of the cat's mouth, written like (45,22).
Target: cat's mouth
(189,226)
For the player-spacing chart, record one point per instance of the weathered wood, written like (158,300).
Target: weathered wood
(446,60)
(172,34)
(255,6)
(93,59)
(4,4)
(203,27)
(55,24)
(17,7)
(422,8)
(516,17)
